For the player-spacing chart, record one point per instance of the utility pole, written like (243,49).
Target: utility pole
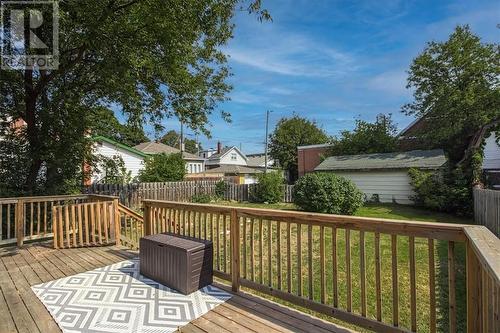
(182,137)
(267,134)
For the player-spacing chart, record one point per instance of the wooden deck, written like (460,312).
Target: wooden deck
(21,311)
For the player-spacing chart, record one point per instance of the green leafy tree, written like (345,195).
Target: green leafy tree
(367,138)
(104,123)
(172,139)
(151,59)
(163,168)
(288,135)
(456,88)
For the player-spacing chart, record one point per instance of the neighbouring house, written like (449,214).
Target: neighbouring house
(309,157)
(237,174)
(207,153)
(226,156)
(258,161)
(194,164)
(384,177)
(132,158)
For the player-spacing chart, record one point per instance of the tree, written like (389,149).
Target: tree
(163,168)
(172,139)
(150,59)
(104,123)
(367,138)
(114,170)
(456,88)
(290,133)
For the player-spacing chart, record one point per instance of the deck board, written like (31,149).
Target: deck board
(39,262)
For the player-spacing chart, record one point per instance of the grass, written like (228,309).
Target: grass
(281,253)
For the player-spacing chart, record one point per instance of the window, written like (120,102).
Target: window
(234,157)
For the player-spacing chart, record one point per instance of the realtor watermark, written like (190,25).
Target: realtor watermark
(29,35)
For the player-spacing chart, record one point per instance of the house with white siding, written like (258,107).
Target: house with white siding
(132,158)
(226,156)
(384,177)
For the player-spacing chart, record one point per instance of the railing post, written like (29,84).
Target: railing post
(235,250)
(19,222)
(117,223)
(147,219)
(473,291)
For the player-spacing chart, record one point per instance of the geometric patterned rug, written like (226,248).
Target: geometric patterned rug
(118,299)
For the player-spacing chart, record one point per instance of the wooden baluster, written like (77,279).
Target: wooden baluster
(395,293)
(269,253)
(348,268)
(66,223)
(189,223)
(432,286)
(244,249)
(334,268)
(86,222)
(473,279)
(362,271)
(205,223)
(73,225)
(61,222)
(184,221)
(289,256)
(252,250)
(299,259)
(92,222)
(98,221)
(8,222)
(377,277)
(55,224)
(38,218)
(322,263)
(451,286)
(235,249)
(217,231)
(261,250)
(278,253)
(45,217)
(413,289)
(224,227)
(310,260)
(31,219)
(1,221)
(80,224)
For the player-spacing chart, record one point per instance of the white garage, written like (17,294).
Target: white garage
(384,176)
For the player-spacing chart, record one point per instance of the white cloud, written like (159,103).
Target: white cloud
(392,82)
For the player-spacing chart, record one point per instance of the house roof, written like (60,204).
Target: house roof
(235,169)
(120,145)
(152,148)
(258,160)
(225,151)
(423,159)
(324,145)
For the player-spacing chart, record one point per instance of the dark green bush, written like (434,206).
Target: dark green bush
(163,168)
(327,193)
(447,191)
(201,198)
(220,189)
(269,188)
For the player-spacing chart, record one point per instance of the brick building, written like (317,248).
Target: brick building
(309,157)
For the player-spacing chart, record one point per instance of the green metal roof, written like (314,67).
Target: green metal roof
(120,145)
(422,159)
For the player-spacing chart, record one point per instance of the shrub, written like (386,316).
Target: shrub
(327,193)
(447,191)
(269,188)
(163,168)
(201,198)
(220,189)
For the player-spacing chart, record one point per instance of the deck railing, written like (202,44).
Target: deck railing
(30,218)
(384,275)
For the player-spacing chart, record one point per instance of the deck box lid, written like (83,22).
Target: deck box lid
(185,243)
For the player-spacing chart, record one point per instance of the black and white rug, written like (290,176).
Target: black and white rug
(118,299)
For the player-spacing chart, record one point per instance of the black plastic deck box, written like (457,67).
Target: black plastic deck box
(178,262)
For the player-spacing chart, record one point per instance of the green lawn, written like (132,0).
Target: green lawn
(421,257)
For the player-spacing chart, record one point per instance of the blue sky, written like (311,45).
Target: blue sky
(333,61)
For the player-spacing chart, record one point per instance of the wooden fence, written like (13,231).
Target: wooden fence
(487,209)
(132,195)
(380,274)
